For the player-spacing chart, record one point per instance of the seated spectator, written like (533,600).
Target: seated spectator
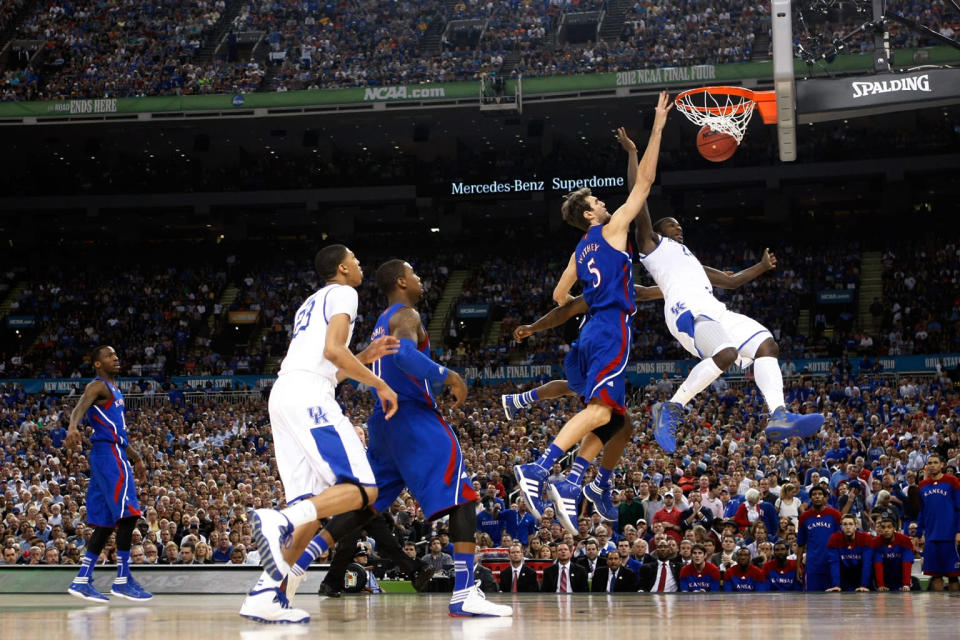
(662,576)
(699,576)
(614,577)
(744,576)
(518,577)
(564,576)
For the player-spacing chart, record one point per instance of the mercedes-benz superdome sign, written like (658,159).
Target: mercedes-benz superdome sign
(827,99)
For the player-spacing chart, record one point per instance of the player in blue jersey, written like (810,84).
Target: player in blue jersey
(603,263)
(781,573)
(111,495)
(612,437)
(940,519)
(850,555)
(700,576)
(814,528)
(745,576)
(417,449)
(892,558)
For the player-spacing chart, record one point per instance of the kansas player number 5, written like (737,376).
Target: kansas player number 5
(592,268)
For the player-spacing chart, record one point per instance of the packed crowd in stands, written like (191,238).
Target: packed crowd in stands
(209,462)
(152,315)
(98,50)
(161,320)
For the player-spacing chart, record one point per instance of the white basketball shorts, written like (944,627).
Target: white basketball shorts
(315,444)
(745,333)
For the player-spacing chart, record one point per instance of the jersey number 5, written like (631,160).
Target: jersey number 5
(592,268)
(302,321)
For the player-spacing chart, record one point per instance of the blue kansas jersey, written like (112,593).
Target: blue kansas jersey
(107,420)
(407,387)
(606,273)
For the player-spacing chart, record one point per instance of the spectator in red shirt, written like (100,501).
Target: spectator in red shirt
(671,518)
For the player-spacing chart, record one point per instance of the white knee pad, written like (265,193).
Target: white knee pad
(709,337)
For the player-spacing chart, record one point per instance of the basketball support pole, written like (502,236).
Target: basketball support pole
(783,79)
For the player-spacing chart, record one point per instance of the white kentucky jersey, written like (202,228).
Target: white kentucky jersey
(310,330)
(682,280)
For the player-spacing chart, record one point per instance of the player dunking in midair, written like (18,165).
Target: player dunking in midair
(706,328)
(111,496)
(603,263)
(319,453)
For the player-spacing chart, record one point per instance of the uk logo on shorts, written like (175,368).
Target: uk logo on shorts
(318,416)
(677,308)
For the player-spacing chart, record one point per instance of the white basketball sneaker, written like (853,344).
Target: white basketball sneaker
(271,606)
(476,604)
(272,532)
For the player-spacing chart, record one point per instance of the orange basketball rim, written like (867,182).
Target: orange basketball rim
(727,109)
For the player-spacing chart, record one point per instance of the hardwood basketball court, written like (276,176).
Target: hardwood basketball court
(536,617)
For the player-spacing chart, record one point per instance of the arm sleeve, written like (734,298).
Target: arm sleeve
(866,567)
(418,365)
(878,571)
(761,582)
(833,559)
(727,583)
(340,300)
(715,580)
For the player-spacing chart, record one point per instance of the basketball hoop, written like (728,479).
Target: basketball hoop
(727,109)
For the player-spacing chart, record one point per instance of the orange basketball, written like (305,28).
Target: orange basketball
(714,146)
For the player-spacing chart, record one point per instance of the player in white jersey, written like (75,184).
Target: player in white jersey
(319,453)
(706,328)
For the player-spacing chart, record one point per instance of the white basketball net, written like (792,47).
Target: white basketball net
(722,112)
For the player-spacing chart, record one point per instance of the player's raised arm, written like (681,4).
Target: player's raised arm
(94,391)
(553,318)
(647,293)
(335,350)
(726,280)
(561,293)
(405,326)
(615,231)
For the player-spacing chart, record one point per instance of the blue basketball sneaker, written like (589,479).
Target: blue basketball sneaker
(566,502)
(86,591)
(530,478)
(509,408)
(600,497)
(784,424)
(667,416)
(131,590)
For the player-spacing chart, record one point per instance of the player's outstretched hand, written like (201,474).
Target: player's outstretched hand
(382,346)
(140,471)
(522,332)
(769,259)
(458,388)
(664,104)
(625,142)
(388,400)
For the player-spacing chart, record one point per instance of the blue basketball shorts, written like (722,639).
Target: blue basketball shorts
(603,352)
(111,494)
(940,558)
(417,449)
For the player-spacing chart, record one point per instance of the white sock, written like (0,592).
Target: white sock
(301,513)
(701,376)
(766,373)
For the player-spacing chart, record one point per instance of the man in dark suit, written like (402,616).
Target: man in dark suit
(485,576)
(613,578)
(662,576)
(518,577)
(564,576)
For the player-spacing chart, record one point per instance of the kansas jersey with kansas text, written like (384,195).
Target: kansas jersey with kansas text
(310,330)
(108,422)
(940,513)
(606,273)
(408,389)
(681,278)
(813,532)
(893,561)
